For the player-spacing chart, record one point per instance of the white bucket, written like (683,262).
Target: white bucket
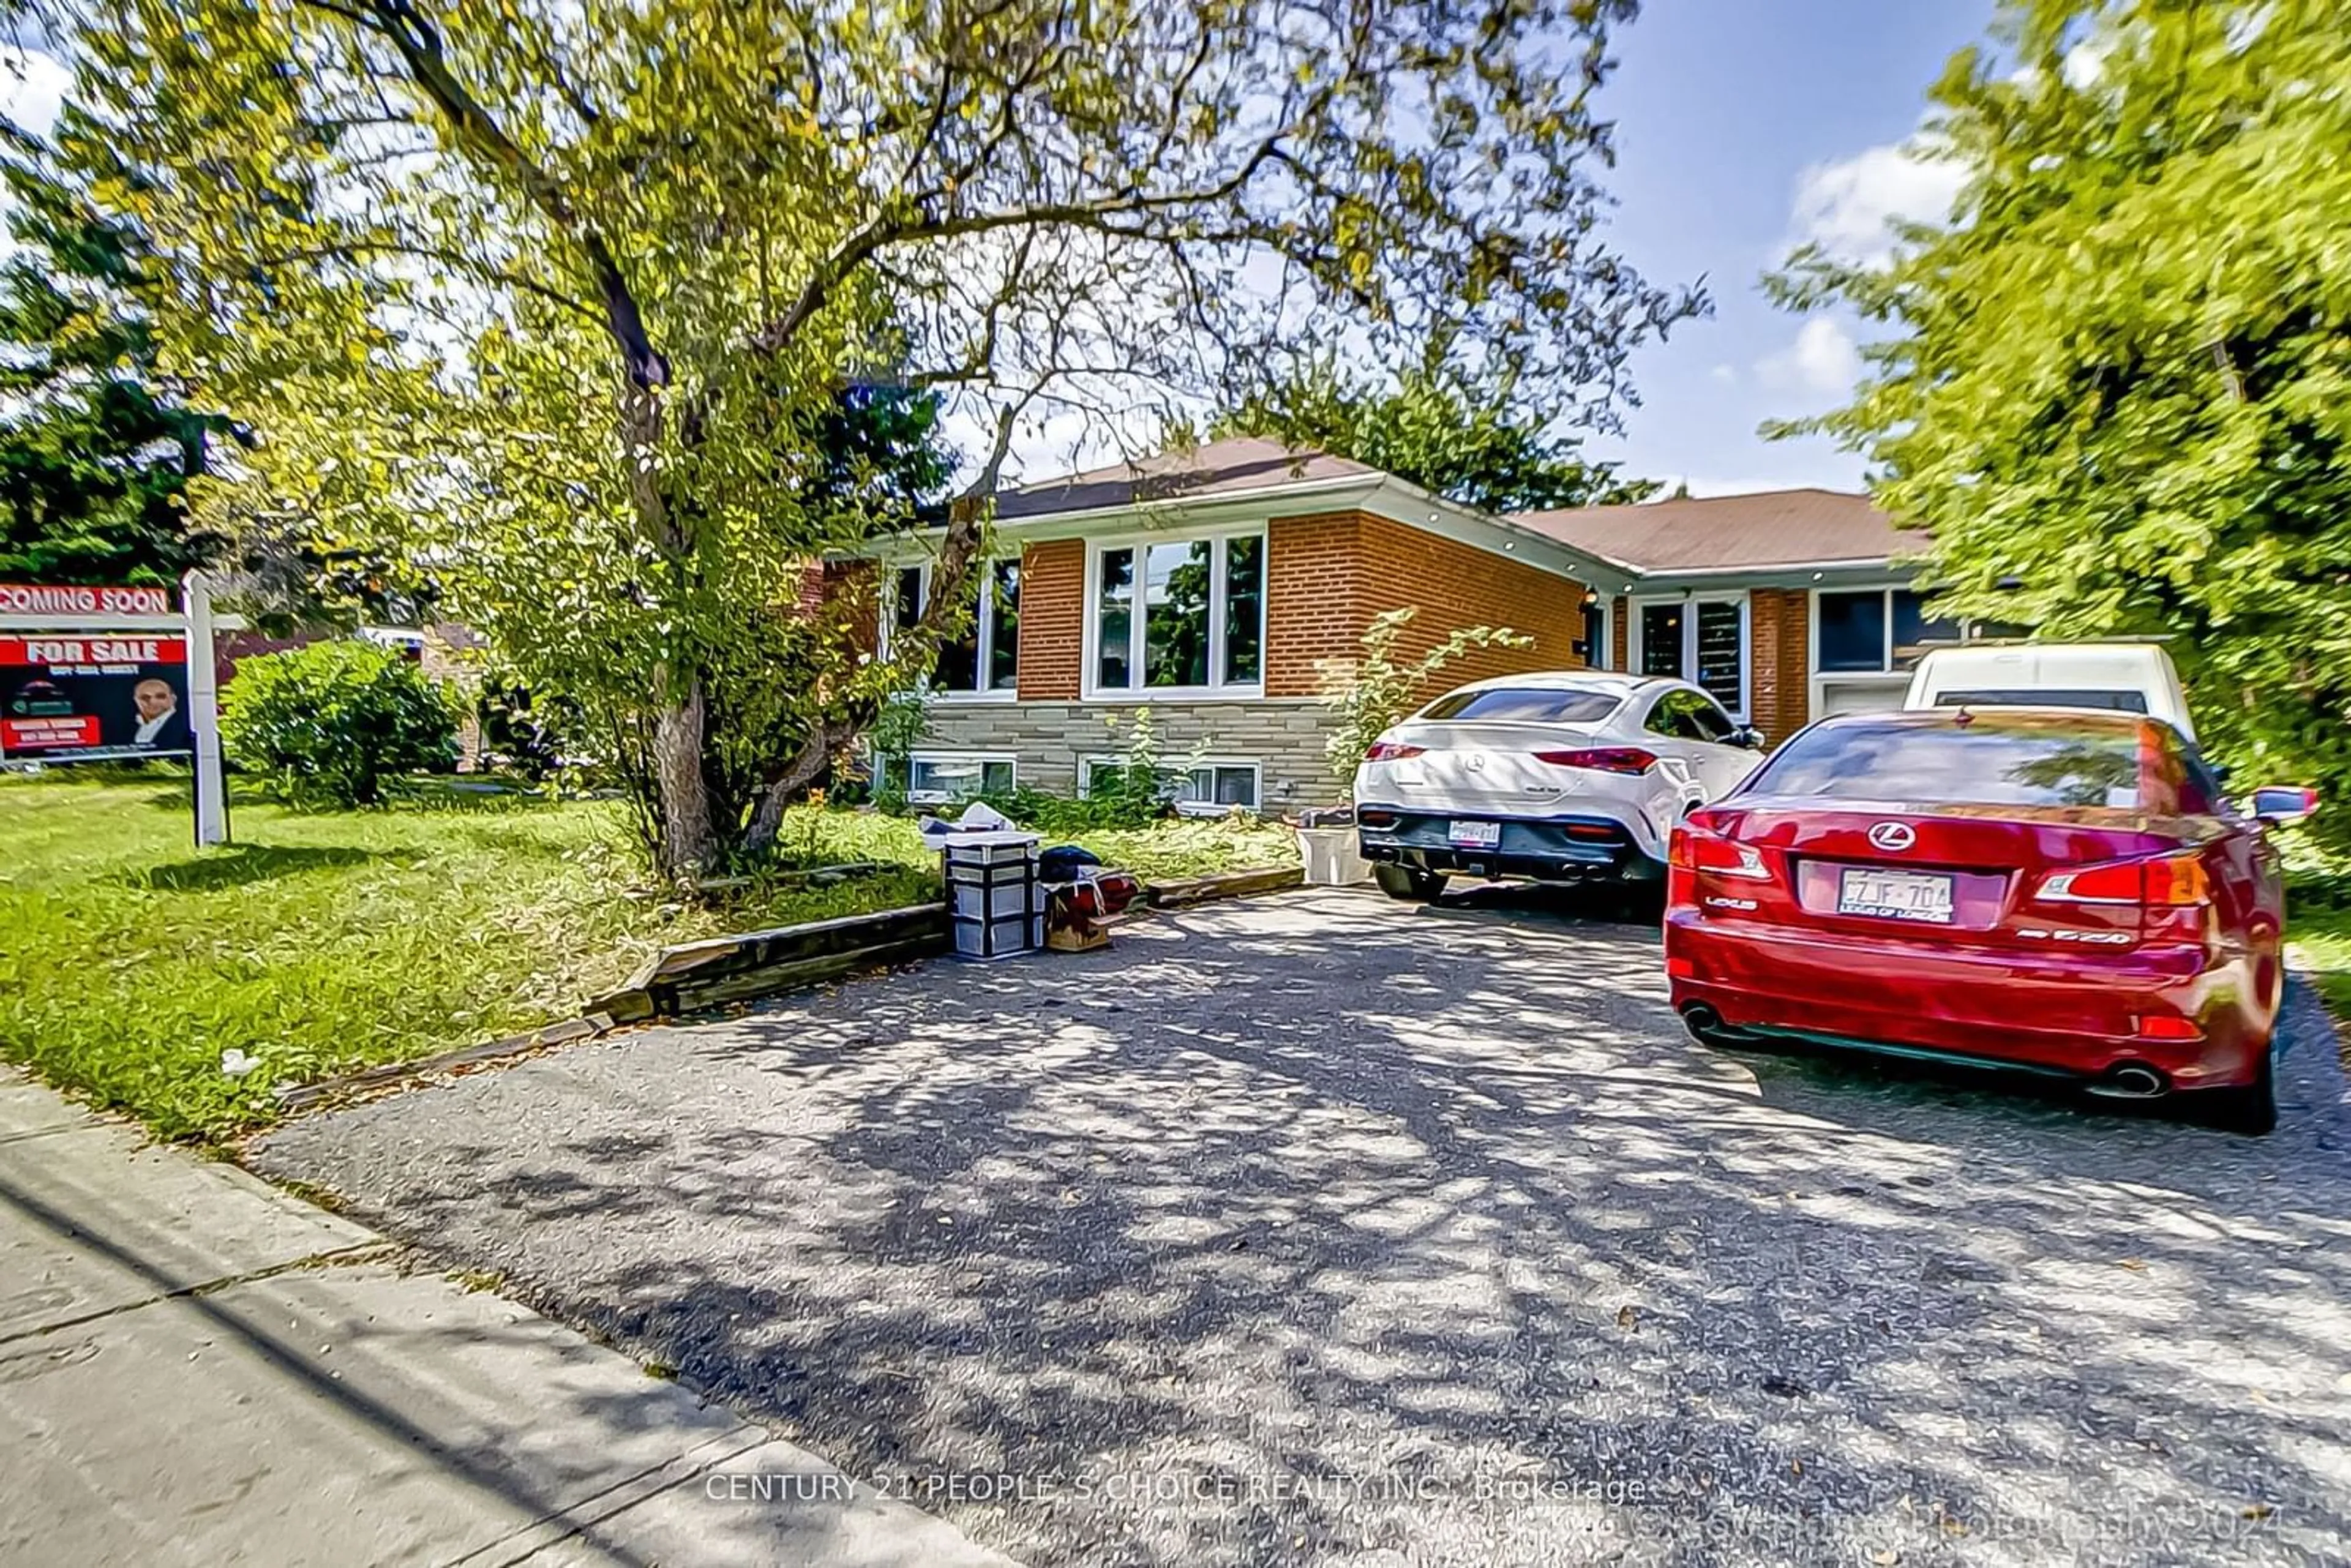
(1332,858)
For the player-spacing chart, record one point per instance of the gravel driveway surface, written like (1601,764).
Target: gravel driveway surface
(1320,1228)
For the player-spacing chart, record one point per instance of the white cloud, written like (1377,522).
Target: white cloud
(1726,374)
(1822,358)
(2085,63)
(31,86)
(1844,207)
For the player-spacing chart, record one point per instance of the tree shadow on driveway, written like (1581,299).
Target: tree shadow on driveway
(1326,1229)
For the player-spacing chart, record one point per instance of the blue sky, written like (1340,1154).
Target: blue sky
(1743,126)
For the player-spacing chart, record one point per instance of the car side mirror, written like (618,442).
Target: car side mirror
(2280,804)
(1747,739)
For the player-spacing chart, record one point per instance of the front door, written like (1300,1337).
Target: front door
(1702,640)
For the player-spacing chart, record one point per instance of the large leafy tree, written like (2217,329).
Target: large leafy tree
(2117,384)
(1441,431)
(556,293)
(96,448)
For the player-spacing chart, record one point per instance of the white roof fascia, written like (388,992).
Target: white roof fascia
(1407,503)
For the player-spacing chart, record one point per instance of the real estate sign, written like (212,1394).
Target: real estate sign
(71,698)
(91,673)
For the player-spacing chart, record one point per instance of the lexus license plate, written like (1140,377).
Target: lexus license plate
(1895,895)
(1475,835)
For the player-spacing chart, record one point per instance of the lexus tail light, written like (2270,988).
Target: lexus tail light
(1692,851)
(2168,882)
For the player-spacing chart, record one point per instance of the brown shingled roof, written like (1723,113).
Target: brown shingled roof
(1234,465)
(1772,528)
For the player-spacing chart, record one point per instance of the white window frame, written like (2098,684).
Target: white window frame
(1089,686)
(934,756)
(1086,766)
(984,628)
(1634,640)
(1885,678)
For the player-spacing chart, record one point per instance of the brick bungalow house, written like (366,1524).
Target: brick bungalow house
(1212,585)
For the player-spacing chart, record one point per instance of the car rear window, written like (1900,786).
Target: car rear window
(2117,701)
(1536,705)
(1981,763)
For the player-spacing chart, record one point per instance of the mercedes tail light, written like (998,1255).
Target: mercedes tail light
(1393,751)
(1630,760)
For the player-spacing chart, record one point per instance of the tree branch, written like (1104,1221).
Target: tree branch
(355,248)
(418,48)
(881,231)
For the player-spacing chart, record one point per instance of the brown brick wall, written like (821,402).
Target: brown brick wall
(1313,607)
(1620,634)
(1328,577)
(1780,688)
(1052,620)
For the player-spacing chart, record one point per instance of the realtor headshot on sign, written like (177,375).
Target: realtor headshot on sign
(161,727)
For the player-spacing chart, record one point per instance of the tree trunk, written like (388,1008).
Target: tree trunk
(956,560)
(799,774)
(688,843)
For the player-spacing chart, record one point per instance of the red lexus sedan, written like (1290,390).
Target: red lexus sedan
(2067,893)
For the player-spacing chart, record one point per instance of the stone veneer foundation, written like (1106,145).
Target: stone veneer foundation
(1282,734)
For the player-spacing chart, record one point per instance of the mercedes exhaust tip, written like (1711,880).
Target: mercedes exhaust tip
(1701,1020)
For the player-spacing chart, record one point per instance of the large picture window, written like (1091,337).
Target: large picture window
(987,658)
(1875,630)
(1184,615)
(1864,642)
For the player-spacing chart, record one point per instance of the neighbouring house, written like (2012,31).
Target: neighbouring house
(1216,586)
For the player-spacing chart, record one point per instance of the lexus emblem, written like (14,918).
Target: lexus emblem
(1893,835)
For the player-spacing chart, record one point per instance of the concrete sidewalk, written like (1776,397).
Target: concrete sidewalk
(196,1368)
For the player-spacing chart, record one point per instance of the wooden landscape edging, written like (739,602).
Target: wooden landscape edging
(694,976)
(697,974)
(1224,884)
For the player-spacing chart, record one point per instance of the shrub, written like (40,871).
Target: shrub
(1369,694)
(1042,811)
(332,723)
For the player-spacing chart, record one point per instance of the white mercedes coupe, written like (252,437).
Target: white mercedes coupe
(1571,776)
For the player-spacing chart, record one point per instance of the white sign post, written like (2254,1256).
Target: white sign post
(203,711)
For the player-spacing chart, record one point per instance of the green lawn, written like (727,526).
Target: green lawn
(322,943)
(2318,934)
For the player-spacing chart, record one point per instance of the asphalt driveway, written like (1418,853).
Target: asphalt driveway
(1320,1229)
